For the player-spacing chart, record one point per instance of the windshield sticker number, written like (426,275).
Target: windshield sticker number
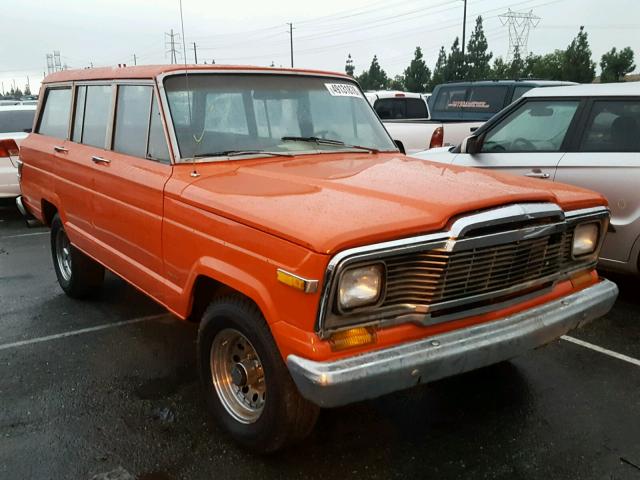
(343,90)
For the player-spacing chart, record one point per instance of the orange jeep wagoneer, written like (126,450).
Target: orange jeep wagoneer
(323,265)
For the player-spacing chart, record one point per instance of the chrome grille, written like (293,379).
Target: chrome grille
(436,276)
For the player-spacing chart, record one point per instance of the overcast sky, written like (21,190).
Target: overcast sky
(256,32)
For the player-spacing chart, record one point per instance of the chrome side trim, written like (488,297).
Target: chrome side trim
(454,240)
(371,374)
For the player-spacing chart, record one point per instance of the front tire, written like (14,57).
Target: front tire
(79,275)
(247,385)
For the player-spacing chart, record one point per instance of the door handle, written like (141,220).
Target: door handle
(97,159)
(537,175)
(60,149)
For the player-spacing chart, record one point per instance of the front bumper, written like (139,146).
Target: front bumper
(369,375)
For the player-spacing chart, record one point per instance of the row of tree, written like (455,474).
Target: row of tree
(571,64)
(16,93)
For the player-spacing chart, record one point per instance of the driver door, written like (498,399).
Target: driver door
(530,141)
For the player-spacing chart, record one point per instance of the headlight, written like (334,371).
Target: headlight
(360,286)
(585,239)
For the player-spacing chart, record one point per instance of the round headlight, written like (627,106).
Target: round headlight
(360,286)
(585,239)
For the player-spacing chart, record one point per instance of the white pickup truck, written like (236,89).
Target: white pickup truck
(453,112)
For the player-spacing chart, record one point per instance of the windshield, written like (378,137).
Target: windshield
(16,120)
(225,113)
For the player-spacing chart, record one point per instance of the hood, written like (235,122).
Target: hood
(328,202)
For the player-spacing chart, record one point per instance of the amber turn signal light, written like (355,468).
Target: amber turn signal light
(353,337)
(581,279)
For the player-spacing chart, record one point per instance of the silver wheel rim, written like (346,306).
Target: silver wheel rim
(63,254)
(237,375)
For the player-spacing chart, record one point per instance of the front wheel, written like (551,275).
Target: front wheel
(247,385)
(78,275)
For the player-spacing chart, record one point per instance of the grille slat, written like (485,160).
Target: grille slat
(438,276)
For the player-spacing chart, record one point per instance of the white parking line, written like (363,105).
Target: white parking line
(604,351)
(25,235)
(57,336)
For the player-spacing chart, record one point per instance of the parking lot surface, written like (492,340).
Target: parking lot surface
(107,388)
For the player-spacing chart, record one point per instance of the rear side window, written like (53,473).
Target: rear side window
(519,91)
(16,120)
(450,99)
(613,126)
(97,113)
(132,119)
(54,120)
(485,99)
(400,108)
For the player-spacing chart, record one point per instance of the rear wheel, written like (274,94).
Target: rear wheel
(247,385)
(78,275)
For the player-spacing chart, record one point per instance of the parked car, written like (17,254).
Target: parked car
(15,122)
(397,105)
(457,110)
(586,135)
(323,265)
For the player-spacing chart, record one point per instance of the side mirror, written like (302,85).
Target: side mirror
(400,146)
(471,145)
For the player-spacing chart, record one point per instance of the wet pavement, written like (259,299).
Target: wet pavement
(121,401)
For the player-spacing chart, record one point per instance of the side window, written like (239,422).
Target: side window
(157,149)
(96,115)
(536,126)
(613,126)
(450,99)
(519,91)
(54,120)
(485,99)
(133,108)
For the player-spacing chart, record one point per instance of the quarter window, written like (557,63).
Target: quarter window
(55,114)
(96,115)
(158,149)
(539,126)
(132,119)
(613,126)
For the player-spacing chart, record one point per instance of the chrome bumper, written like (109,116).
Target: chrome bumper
(21,208)
(369,375)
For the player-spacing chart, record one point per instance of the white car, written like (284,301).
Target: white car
(586,135)
(16,121)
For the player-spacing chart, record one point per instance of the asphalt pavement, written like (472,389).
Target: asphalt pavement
(107,389)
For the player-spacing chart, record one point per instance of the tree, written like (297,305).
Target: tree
(440,70)
(375,78)
(615,65)
(27,89)
(477,57)
(349,68)
(417,76)
(545,67)
(455,69)
(398,83)
(517,66)
(500,69)
(577,65)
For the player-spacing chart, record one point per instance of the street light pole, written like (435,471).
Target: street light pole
(464,26)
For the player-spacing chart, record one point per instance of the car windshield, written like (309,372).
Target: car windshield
(16,120)
(223,114)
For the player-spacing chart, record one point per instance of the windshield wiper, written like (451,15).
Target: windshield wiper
(328,141)
(237,153)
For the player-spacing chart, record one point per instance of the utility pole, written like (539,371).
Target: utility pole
(135,59)
(195,53)
(291,41)
(171,44)
(464,26)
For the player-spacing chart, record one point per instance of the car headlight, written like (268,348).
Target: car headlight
(360,286)
(585,239)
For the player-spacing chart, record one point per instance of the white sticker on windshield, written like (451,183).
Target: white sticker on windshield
(343,90)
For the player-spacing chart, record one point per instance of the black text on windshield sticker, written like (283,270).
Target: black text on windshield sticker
(343,90)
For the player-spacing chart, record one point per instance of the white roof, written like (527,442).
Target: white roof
(587,90)
(395,93)
(5,108)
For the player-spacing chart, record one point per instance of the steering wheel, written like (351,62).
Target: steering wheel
(328,134)
(520,144)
